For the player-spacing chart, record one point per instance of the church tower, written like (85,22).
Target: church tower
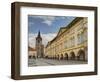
(39,46)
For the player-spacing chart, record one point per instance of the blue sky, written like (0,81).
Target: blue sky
(47,25)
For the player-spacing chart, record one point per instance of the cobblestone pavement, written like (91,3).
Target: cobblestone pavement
(48,62)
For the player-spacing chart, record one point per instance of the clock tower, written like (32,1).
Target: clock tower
(39,46)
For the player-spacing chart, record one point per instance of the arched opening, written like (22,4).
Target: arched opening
(66,56)
(30,57)
(46,57)
(58,57)
(61,56)
(81,55)
(34,57)
(72,57)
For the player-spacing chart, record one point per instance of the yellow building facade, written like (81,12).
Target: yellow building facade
(70,42)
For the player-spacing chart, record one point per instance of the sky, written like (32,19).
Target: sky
(47,25)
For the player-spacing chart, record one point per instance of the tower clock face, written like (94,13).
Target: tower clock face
(38,41)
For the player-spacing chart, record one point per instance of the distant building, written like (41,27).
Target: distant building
(32,52)
(39,46)
(70,42)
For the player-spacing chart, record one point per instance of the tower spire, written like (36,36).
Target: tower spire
(39,34)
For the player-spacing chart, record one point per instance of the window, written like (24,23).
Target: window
(80,38)
(73,41)
(65,44)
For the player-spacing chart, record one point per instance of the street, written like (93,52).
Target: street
(48,62)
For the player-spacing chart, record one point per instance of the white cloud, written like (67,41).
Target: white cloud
(48,37)
(45,38)
(48,22)
(50,19)
(46,19)
(31,40)
(31,24)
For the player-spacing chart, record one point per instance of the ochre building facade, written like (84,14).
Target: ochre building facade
(70,42)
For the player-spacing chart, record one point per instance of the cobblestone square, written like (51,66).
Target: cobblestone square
(48,62)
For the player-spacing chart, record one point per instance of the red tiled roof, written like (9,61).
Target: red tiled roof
(31,49)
